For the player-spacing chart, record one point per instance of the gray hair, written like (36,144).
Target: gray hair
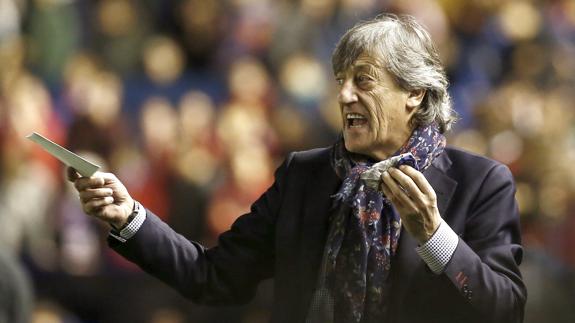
(409,55)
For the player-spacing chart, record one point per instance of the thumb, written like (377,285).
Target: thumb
(109,178)
(72,174)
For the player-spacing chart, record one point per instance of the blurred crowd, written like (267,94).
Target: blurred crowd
(193,103)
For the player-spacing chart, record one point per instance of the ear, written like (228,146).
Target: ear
(414,98)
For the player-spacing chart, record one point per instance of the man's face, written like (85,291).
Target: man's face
(376,112)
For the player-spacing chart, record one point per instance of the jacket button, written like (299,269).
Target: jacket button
(468,294)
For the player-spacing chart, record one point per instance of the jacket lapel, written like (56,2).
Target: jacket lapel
(443,185)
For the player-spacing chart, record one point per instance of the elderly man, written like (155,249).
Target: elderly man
(386,225)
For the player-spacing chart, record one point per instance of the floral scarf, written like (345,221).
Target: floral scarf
(363,236)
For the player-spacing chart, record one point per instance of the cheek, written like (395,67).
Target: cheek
(379,112)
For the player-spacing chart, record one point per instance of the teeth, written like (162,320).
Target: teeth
(351,117)
(354,116)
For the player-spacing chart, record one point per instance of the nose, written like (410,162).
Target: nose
(347,92)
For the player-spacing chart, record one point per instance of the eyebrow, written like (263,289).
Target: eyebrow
(372,68)
(369,67)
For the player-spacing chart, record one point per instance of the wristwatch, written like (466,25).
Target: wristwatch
(130,218)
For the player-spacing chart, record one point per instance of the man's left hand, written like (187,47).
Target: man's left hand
(414,199)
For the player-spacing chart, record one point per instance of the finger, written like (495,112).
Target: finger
(420,199)
(405,182)
(72,174)
(395,192)
(398,198)
(418,179)
(109,178)
(84,183)
(92,193)
(93,205)
(387,191)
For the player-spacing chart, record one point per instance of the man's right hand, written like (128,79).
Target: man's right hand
(103,196)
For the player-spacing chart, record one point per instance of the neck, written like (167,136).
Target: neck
(385,151)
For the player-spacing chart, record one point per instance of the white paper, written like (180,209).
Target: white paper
(84,167)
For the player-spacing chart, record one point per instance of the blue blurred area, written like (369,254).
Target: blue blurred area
(194,103)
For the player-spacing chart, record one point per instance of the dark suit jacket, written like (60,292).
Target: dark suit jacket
(283,237)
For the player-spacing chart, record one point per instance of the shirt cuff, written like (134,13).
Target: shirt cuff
(437,251)
(132,227)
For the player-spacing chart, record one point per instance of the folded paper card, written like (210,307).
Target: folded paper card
(81,165)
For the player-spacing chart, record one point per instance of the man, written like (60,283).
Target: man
(435,239)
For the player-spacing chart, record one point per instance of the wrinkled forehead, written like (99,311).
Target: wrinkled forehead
(364,56)
(372,63)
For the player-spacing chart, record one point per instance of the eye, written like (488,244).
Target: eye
(363,78)
(339,81)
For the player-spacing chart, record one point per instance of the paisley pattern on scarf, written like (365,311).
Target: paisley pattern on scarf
(364,233)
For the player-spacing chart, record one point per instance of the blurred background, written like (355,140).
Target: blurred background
(193,104)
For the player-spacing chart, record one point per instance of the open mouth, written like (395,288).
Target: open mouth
(355,120)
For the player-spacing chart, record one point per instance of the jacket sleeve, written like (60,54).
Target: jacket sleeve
(485,265)
(226,274)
